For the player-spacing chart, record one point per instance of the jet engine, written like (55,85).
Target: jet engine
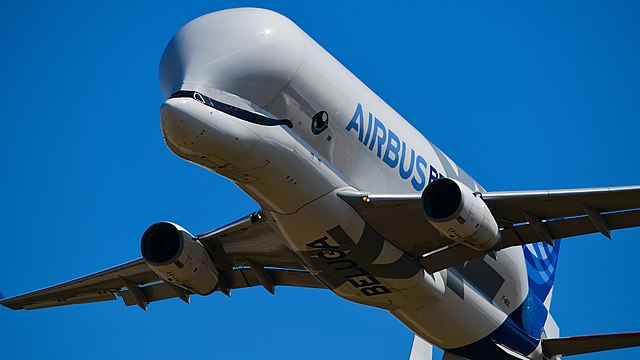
(453,209)
(173,254)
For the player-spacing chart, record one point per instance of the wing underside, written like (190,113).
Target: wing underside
(247,253)
(523,216)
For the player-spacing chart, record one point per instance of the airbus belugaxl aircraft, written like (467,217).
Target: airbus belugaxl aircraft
(353,199)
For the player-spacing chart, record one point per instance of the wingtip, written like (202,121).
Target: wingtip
(1,295)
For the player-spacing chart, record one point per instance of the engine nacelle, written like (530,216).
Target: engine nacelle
(453,209)
(173,254)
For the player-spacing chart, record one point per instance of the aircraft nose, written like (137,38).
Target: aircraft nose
(186,131)
(196,132)
(173,110)
(176,121)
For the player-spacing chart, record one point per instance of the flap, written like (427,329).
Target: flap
(236,279)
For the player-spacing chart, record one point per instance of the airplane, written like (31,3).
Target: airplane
(353,199)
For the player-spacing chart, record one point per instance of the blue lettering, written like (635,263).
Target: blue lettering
(406,173)
(366,138)
(392,149)
(396,150)
(419,184)
(381,139)
(433,174)
(353,124)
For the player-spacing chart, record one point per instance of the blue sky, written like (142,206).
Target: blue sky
(523,95)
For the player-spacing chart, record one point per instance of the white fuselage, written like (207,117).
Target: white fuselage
(258,60)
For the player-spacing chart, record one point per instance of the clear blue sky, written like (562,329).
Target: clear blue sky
(523,95)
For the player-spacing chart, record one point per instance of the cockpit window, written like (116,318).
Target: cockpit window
(232,110)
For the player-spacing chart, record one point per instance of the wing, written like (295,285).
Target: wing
(246,252)
(577,345)
(523,216)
